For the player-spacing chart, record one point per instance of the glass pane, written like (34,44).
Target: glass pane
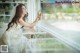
(7,19)
(1,18)
(60,12)
(63,19)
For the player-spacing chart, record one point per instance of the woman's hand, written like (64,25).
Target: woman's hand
(39,15)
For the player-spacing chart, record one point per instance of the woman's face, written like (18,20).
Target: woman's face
(24,10)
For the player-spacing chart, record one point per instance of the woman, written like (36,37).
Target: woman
(13,36)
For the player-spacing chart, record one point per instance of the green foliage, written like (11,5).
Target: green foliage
(67,10)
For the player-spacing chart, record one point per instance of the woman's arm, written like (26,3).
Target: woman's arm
(22,22)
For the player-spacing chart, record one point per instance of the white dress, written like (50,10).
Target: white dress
(15,40)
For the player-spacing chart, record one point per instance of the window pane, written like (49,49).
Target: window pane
(60,12)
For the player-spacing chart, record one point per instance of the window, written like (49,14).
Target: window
(6,7)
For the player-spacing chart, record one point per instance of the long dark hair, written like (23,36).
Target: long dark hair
(17,16)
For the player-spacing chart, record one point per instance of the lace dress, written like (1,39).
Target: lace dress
(17,43)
